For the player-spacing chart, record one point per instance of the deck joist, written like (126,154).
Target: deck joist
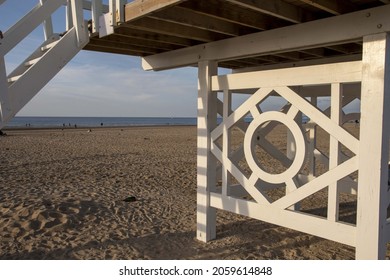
(161,26)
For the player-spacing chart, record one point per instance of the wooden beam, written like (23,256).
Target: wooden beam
(347,72)
(234,14)
(324,32)
(327,60)
(140,8)
(117,43)
(142,42)
(101,48)
(27,24)
(5,105)
(346,234)
(336,114)
(275,8)
(87,5)
(372,200)
(174,29)
(110,47)
(317,52)
(154,37)
(347,48)
(206,163)
(189,18)
(294,56)
(334,7)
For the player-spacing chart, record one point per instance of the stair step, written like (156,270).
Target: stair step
(14,79)
(49,46)
(31,62)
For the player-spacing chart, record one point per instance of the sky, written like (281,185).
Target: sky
(101,84)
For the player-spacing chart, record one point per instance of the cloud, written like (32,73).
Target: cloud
(90,86)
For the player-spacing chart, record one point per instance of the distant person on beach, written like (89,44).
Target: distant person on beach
(101,124)
(356,123)
(1,35)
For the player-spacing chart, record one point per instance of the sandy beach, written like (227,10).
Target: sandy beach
(62,197)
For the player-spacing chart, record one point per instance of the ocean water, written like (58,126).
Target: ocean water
(53,122)
(60,122)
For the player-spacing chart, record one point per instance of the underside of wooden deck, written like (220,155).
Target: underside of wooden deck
(154,27)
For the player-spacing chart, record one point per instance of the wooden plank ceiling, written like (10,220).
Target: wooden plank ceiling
(156,26)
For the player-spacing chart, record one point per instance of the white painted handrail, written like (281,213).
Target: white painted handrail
(42,14)
(47,25)
(27,24)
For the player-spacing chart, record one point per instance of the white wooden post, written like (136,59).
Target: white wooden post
(117,11)
(312,142)
(374,148)
(69,18)
(47,25)
(206,163)
(120,7)
(4,100)
(334,151)
(290,153)
(227,107)
(97,11)
(78,21)
(290,145)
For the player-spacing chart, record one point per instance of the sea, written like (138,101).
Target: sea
(60,122)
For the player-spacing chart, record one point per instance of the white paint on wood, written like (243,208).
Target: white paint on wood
(345,72)
(97,12)
(300,144)
(5,106)
(324,32)
(334,151)
(310,62)
(339,232)
(227,108)
(241,111)
(318,183)
(374,148)
(298,186)
(206,163)
(47,25)
(312,127)
(79,23)
(27,24)
(247,183)
(306,108)
(53,60)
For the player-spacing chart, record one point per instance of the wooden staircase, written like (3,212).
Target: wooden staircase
(26,80)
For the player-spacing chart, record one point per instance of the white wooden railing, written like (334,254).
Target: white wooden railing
(18,87)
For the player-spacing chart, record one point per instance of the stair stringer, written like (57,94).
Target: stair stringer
(39,74)
(36,55)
